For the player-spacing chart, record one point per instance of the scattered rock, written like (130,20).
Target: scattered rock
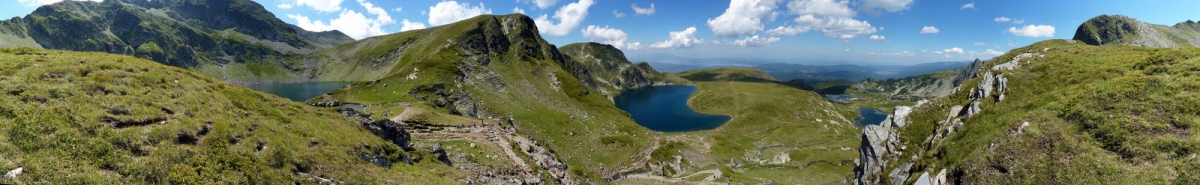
(924,179)
(1022,128)
(974,108)
(441,154)
(13,174)
(900,116)
(389,130)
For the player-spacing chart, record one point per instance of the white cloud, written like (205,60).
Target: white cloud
(1033,31)
(284,6)
(618,14)
(643,11)
(744,17)
(954,50)
(423,12)
(968,5)
(321,5)
(353,24)
(873,6)
(924,50)
(992,52)
(877,38)
(409,25)
(447,12)
(1002,19)
(610,36)
(834,18)
(398,9)
(937,52)
(543,4)
(680,39)
(929,30)
(980,43)
(569,17)
(1018,21)
(755,41)
(898,54)
(518,10)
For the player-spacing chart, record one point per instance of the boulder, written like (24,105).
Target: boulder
(1001,86)
(13,174)
(389,130)
(924,179)
(901,174)
(973,108)
(440,154)
(900,116)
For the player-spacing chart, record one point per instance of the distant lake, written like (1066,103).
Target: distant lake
(869,116)
(664,108)
(844,98)
(299,91)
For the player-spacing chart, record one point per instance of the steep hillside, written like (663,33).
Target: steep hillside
(96,118)
(493,68)
(1123,30)
(777,133)
(1054,112)
(234,40)
(609,71)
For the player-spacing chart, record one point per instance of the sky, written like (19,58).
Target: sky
(890,32)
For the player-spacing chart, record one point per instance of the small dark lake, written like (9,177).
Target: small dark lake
(844,98)
(665,109)
(299,91)
(869,116)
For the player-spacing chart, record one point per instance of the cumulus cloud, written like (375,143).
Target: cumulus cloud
(1018,21)
(954,50)
(518,10)
(46,2)
(980,43)
(321,5)
(898,54)
(755,41)
(284,6)
(610,36)
(877,38)
(618,14)
(875,6)
(643,11)
(409,25)
(353,24)
(929,30)
(834,18)
(1033,31)
(924,50)
(569,17)
(744,17)
(680,39)
(968,5)
(543,4)
(447,12)
(992,52)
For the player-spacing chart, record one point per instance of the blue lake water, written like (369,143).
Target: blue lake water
(869,116)
(844,98)
(299,91)
(664,108)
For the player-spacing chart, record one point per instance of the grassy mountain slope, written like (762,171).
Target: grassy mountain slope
(1095,114)
(234,40)
(1123,30)
(777,133)
(95,118)
(912,88)
(608,69)
(489,67)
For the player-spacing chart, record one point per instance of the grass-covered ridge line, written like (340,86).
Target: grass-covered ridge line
(94,118)
(1096,114)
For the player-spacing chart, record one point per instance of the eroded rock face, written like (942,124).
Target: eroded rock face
(389,130)
(967,73)
(871,154)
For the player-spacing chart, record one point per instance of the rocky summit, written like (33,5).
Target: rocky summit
(1124,30)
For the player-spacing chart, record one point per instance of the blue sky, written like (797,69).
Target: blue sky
(800,31)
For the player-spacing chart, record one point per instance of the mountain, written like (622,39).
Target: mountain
(496,67)
(818,73)
(1123,30)
(234,40)
(97,118)
(726,74)
(912,88)
(609,71)
(1054,112)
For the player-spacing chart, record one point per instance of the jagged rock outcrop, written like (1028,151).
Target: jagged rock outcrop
(878,142)
(964,74)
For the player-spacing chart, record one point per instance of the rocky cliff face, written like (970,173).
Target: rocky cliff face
(1123,30)
(914,88)
(183,33)
(608,70)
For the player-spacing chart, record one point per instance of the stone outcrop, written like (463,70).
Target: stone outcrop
(971,71)
(1123,30)
(878,142)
